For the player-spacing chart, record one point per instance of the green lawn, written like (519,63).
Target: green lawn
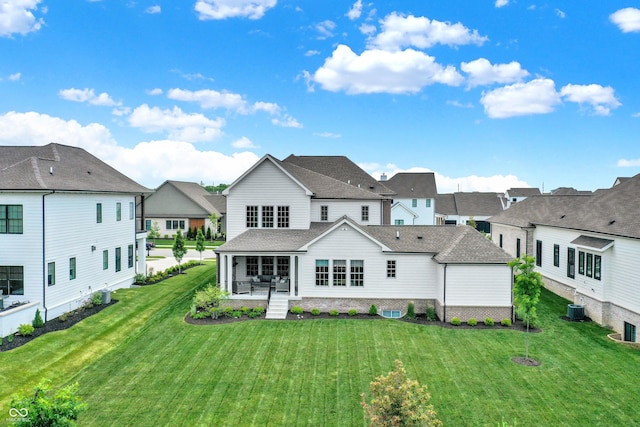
(138,363)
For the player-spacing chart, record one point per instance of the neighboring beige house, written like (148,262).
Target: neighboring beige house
(586,246)
(323,240)
(179,205)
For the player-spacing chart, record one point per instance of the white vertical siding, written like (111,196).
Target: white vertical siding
(415,273)
(478,285)
(266,185)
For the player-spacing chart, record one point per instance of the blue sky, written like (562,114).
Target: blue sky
(489,95)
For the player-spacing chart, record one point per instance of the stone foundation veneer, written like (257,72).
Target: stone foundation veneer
(361,305)
(605,313)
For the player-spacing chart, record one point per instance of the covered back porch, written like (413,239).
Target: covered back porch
(245,274)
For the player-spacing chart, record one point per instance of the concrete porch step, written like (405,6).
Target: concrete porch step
(278,307)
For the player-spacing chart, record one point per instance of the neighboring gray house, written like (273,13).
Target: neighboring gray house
(586,246)
(321,241)
(461,207)
(515,195)
(179,205)
(67,230)
(415,199)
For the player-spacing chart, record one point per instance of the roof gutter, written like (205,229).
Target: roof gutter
(44,271)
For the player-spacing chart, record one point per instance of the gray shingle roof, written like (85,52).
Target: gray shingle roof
(342,169)
(591,242)
(469,204)
(409,185)
(218,201)
(614,211)
(461,244)
(523,192)
(194,192)
(60,167)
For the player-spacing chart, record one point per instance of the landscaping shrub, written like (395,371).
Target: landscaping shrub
(315,311)
(431,313)
(489,321)
(236,314)
(373,310)
(26,329)
(210,296)
(245,310)
(96,298)
(253,314)
(37,320)
(259,310)
(472,322)
(505,322)
(352,312)
(411,311)
(48,407)
(296,310)
(140,279)
(63,317)
(200,315)
(456,321)
(334,313)
(10,338)
(227,311)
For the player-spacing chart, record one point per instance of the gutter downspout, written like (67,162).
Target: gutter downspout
(44,272)
(444,297)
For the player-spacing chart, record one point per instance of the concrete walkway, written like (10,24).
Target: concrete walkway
(161,264)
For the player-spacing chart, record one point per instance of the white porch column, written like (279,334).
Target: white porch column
(141,240)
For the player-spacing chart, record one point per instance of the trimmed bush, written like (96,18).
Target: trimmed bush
(37,320)
(258,310)
(63,317)
(373,310)
(315,311)
(227,311)
(334,313)
(431,313)
(10,338)
(245,310)
(96,298)
(236,314)
(253,314)
(456,321)
(472,322)
(489,321)
(352,312)
(26,329)
(505,322)
(296,310)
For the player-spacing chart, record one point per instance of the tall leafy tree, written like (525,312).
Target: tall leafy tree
(214,218)
(526,291)
(200,243)
(154,232)
(179,249)
(47,407)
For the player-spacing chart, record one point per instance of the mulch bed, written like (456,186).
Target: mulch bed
(53,325)
(420,319)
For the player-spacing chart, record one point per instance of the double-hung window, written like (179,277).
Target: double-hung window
(283,266)
(10,219)
(252,216)
(580,262)
(340,272)
(51,273)
(267,216)
(324,213)
(365,213)
(322,272)
(12,280)
(357,272)
(267,265)
(252,266)
(391,269)
(283,216)
(589,265)
(571,263)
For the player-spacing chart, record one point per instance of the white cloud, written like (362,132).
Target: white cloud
(624,163)
(355,11)
(223,9)
(501,3)
(286,121)
(15,77)
(153,9)
(149,163)
(179,125)
(403,31)
(636,114)
(17,16)
(269,107)
(560,14)
(243,142)
(312,53)
(379,71)
(458,104)
(327,135)
(154,91)
(602,99)
(367,29)
(208,98)
(482,72)
(88,96)
(325,28)
(535,97)
(627,19)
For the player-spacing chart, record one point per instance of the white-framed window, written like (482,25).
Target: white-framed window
(324,213)
(357,272)
(365,213)
(12,279)
(322,272)
(267,216)
(283,216)
(340,272)
(72,268)
(130,256)
(391,269)
(118,211)
(132,210)
(252,216)
(10,219)
(51,273)
(118,259)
